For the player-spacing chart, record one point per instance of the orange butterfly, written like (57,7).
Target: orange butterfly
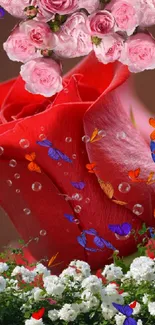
(95,136)
(134,174)
(32,166)
(152,123)
(52,259)
(91,167)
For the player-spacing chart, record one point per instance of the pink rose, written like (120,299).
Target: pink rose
(109,49)
(39,33)
(73,40)
(89,5)
(139,53)
(19,47)
(42,76)
(148,10)
(126,14)
(100,23)
(59,6)
(15,7)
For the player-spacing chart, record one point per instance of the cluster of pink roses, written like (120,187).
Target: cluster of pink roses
(51,29)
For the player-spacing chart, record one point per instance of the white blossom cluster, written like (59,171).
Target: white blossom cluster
(87,293)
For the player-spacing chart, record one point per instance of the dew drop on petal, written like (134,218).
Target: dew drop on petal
(85,138)
(77,197)
(66,173)
(77,209)
(27,211)
(121,135)
(36,239)
(17,190)
(42,128)
(42,137)
(43,232)
(102,133)
(124,187)
(87,200)
(24,143)
(77,221)
(36,186)
(68,139)
(138,209)
(1,151)
(12,163)
(74,156)
(9,182)
(16,176)
(59,163)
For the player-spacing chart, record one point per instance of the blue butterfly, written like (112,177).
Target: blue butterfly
(152,232)
(2,12)
(123,229)
(69,217)
(101,243)
(78,185)
(54,153)
(152,147)
(126,311)
(98,241)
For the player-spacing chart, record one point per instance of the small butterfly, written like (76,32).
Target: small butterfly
(95,136)
(91,167)
(152,123)
(150,178)
(152,147)
(78,185)
(126,311)
(119,202)
(123,229)
(54,153)
(38,314)
(107,188)
(52,259)
(32,166)
(134,174)
(69,217)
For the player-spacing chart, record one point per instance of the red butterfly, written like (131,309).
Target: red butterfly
(38,314)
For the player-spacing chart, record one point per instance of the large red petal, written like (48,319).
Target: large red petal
(4,89)
(117,153)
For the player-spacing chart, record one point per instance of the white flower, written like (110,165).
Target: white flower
(37,293)
(3,267)
(33,321)
(112,272)
(82,266)
(145,298)
(92,283)
(143,269)
(53,285)
(69,312)
(139,322)
(2,284)
(27,275)
(41,269)
(137,309)
(108,313)
(120,319)
(84,306)
(151,308)
(16,271)
(79,270)
(110,295)
(53,315)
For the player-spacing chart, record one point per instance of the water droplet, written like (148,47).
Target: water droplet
(68,139)
(12,163)
(77,209)
(42,128)
(59,163)
(102,133)
(124,187)
(66,173)
(121,135)
(1,151)
(87,200)
(74,156)
(36,239)
(68,198)
(16,176)
(36,187)
(138,209)
(17,190)
(67,230)
(9,182)
(77,221)
(122,237)
(43,232)
(77,197)
(27,211)
(66,90)
(24,143)
(42,137)
(86,138)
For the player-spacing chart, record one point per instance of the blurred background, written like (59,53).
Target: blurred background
(143,83)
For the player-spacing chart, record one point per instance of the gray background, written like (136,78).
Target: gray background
(144,85)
